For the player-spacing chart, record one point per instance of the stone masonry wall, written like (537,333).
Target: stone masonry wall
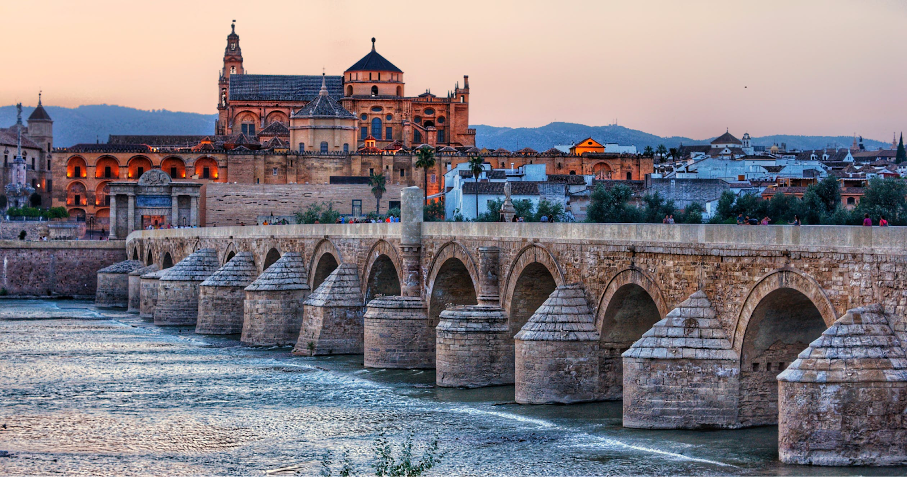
(55,268)
(232,204)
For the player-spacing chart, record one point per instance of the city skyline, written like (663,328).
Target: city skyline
(691,69)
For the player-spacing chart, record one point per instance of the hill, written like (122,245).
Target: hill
(90,123)
(544,137)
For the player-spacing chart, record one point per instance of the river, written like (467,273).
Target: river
(92,392)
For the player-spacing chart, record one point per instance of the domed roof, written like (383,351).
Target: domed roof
(323,106)
(198,266)
(39,114)
(564,317)
(239,271)
(340,289)
(374,62)
(288,273)
(726,138)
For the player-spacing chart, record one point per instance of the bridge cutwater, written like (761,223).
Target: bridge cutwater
(692,326)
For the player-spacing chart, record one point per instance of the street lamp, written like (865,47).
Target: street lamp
(91,225)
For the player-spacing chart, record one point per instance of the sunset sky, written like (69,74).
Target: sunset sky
(665,67)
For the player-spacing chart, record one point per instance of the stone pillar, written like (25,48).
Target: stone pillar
(333,316)
(396,334)
(412,200)
(175,210)
(222,296)
(113,217)
(113,284)
(473,347)
(556,352)
(273,309)
(135,287)
(683,373)
(178,288)
(131,213)
(148,293)
(842,402)
(488,276)
(193,210)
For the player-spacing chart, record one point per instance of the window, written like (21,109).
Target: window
(374,90)
(393,204)
(629,176)
(77,199)
(206,173)
(302,147)
(139,171)
(389,117)
(417,137)
(323,147)
(78,171)
(256,180)
(376,128)
(461,98)
(440,120)
(248,129)
(48,150)
(232,70)
(107,172)
(441,136)
(376,109)
(573,173)
(429,111)
(403,172)
(432,178)
(850,200)
(274,171)
(33,164)
(389,132)
(371,171)
(356,209)
(363,132)
(173,172)
(346,147)
(48,165)
(363,117)
(379,76)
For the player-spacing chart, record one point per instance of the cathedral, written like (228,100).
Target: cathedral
(369,99)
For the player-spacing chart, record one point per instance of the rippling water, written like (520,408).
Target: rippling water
(88,392)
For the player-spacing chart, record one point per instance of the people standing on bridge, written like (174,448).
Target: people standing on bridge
(796,222)
(867,220)
(671,218)
(883,221)
(765,221)
(740,219)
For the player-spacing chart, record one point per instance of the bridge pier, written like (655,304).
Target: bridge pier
(113,284)
(683,372)
(333,316)
(178,288)
(135,287)
(556,352)
(472,345)
(396,330)
(273,309)
(842,402)
(148,294)
(221,296)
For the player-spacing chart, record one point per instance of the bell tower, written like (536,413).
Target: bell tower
(233,65)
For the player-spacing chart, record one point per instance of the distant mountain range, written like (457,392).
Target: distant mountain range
(91,123)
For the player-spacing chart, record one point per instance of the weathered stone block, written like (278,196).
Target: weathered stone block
(473,347)
(397,334)
(113,284)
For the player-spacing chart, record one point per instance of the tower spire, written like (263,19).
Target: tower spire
(373,43)
(39,97)
(324,90)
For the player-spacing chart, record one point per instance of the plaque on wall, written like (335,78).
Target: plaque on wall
(153,201)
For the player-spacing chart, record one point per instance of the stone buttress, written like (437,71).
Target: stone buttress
(683,372)
(113,284)
(135,287)
(333,316)
(148,293)
(556,352)
(221,296)
(842,402)
(396,329)
(473,347)
(273,309)
(178,288)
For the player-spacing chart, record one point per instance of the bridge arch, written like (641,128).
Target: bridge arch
(452,279)
(167,261)
(149,258)
(382,272)
(629,306)
(229,252)
(782,314)
(135,253)
(532,277)
(270,258)
(325,258)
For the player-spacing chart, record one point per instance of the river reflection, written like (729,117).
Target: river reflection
(101,393)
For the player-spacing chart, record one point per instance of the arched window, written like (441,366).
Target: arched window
(374,90)
(324,147)
(400,91)
(417,137)
(850,201)
(350,90)
(376,128)
(346,147)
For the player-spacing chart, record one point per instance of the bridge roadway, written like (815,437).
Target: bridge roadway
(750,299)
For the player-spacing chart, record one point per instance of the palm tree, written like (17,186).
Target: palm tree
(377,181)
(661,151)
(476,170)
(648,151)
(425,159)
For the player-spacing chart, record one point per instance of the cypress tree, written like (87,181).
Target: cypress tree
(900,152)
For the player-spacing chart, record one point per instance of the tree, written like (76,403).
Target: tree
(725,207)
(610,205)
(35,200)
(434,211)
(425,159)
(648,151)
(377,181)
(885,197)
(476,169)
(900,152)
(829,192)
(554,211)
(661,151)
(693,214)
(675,153)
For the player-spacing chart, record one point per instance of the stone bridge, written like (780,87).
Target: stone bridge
(706,316)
